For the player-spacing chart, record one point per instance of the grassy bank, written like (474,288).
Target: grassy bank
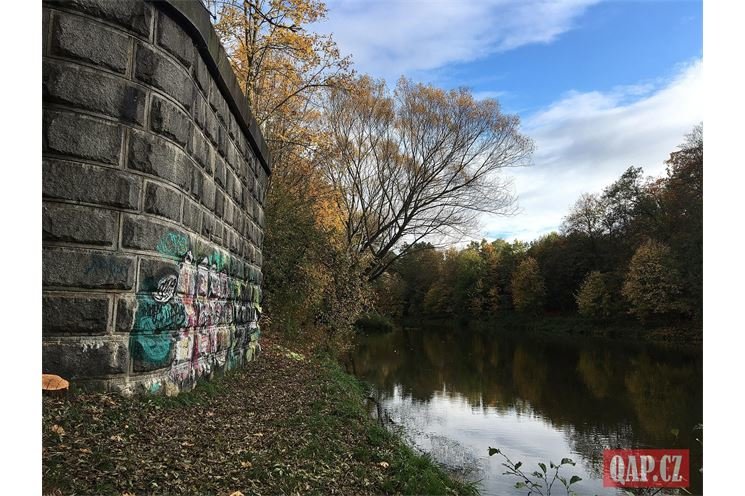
(286,424)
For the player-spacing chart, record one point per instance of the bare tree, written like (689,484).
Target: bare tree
(416,163)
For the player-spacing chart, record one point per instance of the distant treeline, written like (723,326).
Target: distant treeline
(635,248)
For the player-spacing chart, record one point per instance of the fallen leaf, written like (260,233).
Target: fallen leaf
(85,450)
(237,493)
(384,464)
(246,464)
(117,438)
(57,429)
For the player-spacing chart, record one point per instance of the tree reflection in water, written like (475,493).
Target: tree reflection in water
(598,393)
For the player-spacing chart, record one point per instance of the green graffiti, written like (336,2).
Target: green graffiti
(153,317)
(151,342)
(153,350)
(218,260)
(173,244)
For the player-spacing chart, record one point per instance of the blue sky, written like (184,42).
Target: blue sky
(599,85)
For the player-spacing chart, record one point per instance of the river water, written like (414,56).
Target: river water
(455,392)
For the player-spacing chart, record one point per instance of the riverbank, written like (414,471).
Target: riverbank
(560,326)
(286,424)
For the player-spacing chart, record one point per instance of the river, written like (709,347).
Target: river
(455,392)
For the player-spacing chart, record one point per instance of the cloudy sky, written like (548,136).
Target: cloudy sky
(599,85)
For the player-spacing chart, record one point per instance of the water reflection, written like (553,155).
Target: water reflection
(456,392)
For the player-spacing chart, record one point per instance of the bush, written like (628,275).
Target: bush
(373,322)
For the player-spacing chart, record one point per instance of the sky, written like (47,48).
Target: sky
(599,85)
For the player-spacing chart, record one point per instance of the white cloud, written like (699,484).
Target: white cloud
(586,140)
(389,38)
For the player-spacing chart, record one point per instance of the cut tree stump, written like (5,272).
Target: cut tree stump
(54,385)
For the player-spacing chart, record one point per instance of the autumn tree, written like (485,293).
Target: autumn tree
(281,66)
(283,69)
(653,284)
(416,163)
(594,298)
(528,287)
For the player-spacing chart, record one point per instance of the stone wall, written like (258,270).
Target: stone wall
(154,179)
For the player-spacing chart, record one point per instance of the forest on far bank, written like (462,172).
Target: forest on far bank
(634,250)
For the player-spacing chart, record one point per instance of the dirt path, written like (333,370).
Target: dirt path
(285,424)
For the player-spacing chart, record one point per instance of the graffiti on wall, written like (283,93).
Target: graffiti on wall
(194,318)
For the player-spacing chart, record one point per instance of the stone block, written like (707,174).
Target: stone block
(75,314)
(82,137)
(85,357)
(192,216)
(94,91)
(201,74)
(228,211)
(90,184)
(162,201)
(168,120)
(153,155)
(151,351)
(220,171)
(175,40)
(78,224)
(134,15)
(199,111)
(208,225)
(125,313)
(222,141)
(86,41)
(197,182)
(201,150)
(211,126)
(219,203)
(146,234)
(157,70)
(208,193)
(86,269)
